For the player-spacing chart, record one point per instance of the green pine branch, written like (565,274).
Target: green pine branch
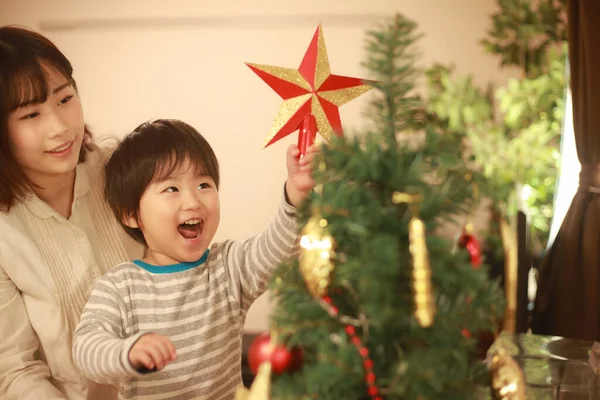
(391,57)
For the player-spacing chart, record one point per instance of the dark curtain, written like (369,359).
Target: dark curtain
(568,296)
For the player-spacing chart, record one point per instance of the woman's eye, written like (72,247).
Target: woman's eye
(171,189)
(31,115)
(66,99)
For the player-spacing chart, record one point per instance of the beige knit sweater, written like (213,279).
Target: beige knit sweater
(47,267)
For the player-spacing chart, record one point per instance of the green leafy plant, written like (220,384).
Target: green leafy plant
(512,133)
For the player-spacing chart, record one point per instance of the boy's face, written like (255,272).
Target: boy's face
(178,216)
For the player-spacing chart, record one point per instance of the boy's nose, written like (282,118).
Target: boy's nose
(191,201)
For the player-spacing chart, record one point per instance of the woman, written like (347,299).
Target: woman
(57,235)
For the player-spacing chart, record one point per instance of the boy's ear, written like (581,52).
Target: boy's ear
(131,221)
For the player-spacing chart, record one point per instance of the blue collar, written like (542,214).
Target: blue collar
(168,269)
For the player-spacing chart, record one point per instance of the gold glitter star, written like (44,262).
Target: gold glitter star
(311,89)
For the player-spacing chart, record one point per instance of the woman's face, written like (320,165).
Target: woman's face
(46,138)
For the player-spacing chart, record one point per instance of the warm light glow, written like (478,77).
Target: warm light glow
(311,244)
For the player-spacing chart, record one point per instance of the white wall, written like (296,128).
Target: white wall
(136,60)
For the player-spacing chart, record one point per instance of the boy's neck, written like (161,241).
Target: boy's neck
(161,260)
(149,264)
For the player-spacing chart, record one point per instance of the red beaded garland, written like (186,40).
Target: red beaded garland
(363,351)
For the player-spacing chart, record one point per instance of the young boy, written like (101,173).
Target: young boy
(169,326)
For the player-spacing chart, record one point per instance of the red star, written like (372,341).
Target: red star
(310,90)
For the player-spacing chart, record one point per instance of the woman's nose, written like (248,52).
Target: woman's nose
(56,125)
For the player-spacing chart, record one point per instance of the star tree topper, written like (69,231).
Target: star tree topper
(310,90)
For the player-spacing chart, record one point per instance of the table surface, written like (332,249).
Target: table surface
(554,367)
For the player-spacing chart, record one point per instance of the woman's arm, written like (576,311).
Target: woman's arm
(22,374)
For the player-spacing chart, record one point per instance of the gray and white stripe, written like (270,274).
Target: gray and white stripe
(202,311)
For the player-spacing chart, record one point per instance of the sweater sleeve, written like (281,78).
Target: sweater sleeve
(251,263)
(100,346)
(22,375)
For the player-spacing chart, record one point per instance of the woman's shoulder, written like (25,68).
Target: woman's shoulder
(101,149)
(98,154)
(13,229)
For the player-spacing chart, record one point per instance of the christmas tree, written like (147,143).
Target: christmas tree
(381,307)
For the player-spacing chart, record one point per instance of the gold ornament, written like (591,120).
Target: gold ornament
(315,258)
(425,305)
(261,386)
(509,243)
(469,229)
(424,299)
(508,381)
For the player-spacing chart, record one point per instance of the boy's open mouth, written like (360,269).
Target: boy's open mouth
(191,229)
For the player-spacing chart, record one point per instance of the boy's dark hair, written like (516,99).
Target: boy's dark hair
(23,53)
(151,153)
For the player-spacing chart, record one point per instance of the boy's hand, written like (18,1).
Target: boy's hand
(299,181)
(152,352)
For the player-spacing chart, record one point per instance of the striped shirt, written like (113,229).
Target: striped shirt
(200,306)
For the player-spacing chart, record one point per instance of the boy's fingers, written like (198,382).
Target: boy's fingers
(163,347)
(307,160)
(293,150)
(173,351)
(169,348)
(156,355)
(139,358)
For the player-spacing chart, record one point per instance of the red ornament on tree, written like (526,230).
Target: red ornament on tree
(467,240)
(282,359)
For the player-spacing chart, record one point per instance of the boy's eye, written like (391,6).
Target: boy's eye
(66,99)
(31,115)
(171,189)
(203,186)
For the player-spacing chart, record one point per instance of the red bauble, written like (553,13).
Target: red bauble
(468,241)
(282,359)
(297,359)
